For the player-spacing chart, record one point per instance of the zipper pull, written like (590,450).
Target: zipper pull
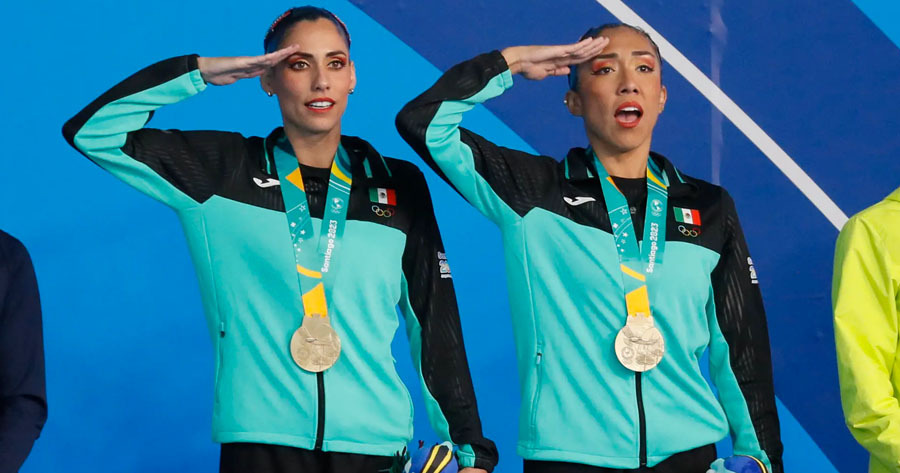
(540,356)
(222,329)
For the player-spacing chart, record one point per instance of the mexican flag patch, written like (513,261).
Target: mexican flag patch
(380,195)
(688,216)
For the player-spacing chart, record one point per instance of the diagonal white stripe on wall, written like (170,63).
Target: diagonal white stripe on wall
(738,117)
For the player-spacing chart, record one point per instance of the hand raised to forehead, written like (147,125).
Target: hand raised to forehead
(228,70)
(538,62)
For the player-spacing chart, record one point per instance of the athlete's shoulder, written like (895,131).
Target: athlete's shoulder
(881,219)
(701,191)
(707,191)
(407,176)
(887,209)
(12,251)
(364,149)
(404,169)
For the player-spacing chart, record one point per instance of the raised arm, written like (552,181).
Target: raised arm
(176,167)
(500,182)
(428,304)
(740,356)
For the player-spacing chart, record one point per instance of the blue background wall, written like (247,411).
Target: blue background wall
(129,364)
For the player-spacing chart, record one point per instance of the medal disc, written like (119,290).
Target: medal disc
(640,345)
(315,346)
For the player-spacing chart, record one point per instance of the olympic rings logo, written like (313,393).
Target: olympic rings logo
(688,233)
(386,213)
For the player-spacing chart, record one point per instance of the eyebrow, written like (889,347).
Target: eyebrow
(616,55)
(328,54)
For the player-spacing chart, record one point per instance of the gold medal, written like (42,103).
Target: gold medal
(640,345)
(315,346)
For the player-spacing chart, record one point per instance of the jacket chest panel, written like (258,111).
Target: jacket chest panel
(247,242)
(581,261)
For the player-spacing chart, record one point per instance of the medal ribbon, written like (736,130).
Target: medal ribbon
(637,262)
(315,262)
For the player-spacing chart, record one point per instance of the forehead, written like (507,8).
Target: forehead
(625,40)
(318,32)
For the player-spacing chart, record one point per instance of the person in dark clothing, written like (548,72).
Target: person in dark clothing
(23,398)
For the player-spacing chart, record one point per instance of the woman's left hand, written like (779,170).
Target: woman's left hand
(472,470)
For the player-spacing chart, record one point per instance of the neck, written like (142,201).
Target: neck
(314,149)
(631,163)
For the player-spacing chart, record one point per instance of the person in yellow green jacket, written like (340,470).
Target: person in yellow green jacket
(866,299)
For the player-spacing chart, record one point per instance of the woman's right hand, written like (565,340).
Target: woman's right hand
(538,62)
(228,70)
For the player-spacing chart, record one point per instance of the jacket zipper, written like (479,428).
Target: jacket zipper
(221,358)
(642,421)
(320,422)
(537,392)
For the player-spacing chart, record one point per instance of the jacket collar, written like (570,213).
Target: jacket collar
(578,166)
(366,163)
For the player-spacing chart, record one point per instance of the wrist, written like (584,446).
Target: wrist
(202,64)
(512,59)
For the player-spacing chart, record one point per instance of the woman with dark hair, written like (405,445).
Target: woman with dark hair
(622,270)
(305,242)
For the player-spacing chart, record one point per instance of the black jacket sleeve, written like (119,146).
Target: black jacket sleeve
(432,319)
(179,168)
(742,320)
(501,183)
(23,399)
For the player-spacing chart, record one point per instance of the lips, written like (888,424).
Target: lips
(629,114)
(320,105)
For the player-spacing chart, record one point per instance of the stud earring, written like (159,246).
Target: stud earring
(351,91)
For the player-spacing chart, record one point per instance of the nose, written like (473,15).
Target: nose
(628,85)
(320,81)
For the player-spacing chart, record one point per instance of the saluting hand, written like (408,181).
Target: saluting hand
(228,70)
(538,62)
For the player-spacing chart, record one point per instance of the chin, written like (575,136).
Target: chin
(322,127)
(318,126)
(623,141)
(629,145)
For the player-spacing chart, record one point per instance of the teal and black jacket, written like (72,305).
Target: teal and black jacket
(224,188)
(579,404)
